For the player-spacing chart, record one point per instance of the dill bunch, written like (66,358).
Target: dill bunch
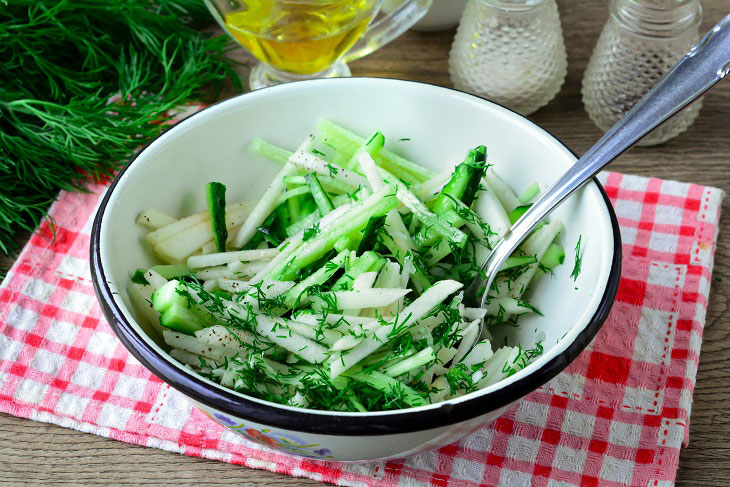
(62,61)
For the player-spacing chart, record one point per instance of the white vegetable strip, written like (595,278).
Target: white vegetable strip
(155,280)
(537,247)
(506,306)
(363,281)
(141,296)
(393,222)
(326,335)
(367,164)
(210,284)
(364,298)
(269,289)
(497,367)
(222,337)
(265,205)
(440,388)
(276,330)
(444,356)
(222,272)
(298,400)
(186,223)
(473,313)
(233,285)
(504,194)
(469,338)
(309,161)
(406,365)
(208,248)
(389,278)
(234,270)
(154,219)
(211,260)
(177,226)
(247,268)
(405,319)
(178,247)
(408,269)
(420,211)
(429,189)
(346,343)
(267,202)
(481,352)
(343,321)
(489,209)
(194,345)
(188,358)
(291,193)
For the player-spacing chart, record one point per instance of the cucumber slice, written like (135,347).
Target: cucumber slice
(138,277)
(166,296)
(216,196)
(344,242)
(171,271)
(370,234)
(476,173)
(180,318)
(528,194)
(368,262)
(554,256)
(463,186)
(517,213)
(324,204)
(517,261)
(373,145)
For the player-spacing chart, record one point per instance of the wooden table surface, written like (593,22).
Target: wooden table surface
(32,452)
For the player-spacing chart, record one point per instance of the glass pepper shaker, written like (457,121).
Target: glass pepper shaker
(510,51)
(641,41)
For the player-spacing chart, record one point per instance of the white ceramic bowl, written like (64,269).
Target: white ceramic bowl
(441,124)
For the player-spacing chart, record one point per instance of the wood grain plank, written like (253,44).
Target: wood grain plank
(35,453)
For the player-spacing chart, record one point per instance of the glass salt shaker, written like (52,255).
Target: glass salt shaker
(641,41)
(510,51)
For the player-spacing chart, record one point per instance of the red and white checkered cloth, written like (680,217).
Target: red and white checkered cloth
(617,416)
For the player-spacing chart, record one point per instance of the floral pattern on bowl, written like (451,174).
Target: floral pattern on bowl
(280,441)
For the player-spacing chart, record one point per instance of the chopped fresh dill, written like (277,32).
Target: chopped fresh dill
(86,85)
(332,169)
(310,232)
(578,260)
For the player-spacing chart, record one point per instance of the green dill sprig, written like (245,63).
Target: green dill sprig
(310,232)
(578,260)
(63,62)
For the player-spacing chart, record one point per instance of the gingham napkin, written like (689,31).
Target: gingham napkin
(617,416)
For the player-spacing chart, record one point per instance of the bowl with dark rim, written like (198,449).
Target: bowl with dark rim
(428,124)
